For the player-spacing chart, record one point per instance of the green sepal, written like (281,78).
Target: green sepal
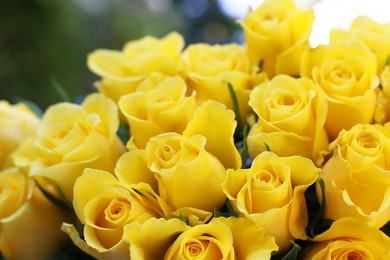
(292,254)
(226,211)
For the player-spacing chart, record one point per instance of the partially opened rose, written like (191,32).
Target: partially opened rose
(375,35)
(188,169)
(122,71)
(292,115)
(70,138)
(349,238)
(276,34)
(105,206)
(357,176)
(17,123)
(346,71)
(210,68)
(271,193)
(166,108)
(187,174)
(219,239)
(29,222)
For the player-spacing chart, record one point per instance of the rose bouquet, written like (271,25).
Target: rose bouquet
(271,150)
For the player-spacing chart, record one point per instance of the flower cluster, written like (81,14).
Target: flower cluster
(268,150)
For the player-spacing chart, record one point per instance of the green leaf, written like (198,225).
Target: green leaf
(267,147)
(236,106)
(60,90)
(244,151)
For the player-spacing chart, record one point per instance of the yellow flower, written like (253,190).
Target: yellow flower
(70,138)
(276,34)
(346,71)
(209,69)
(292,115)
(105,205)
(375,35)
(272,191)
(122,71)
(350,238)
(166,108)
(221,238)
(357,175)
(17,123)
(187,175)
(29,223)
(187,170)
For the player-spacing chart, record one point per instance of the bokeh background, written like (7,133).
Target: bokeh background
(44,43)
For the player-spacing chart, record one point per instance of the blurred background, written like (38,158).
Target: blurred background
(44,43)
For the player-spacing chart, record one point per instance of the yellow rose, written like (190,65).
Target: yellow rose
(357,180)
(29,223)
(166,108)
(17,123)
(346,71)
(219,239)
(187,170)
(350,238)
(276,34)
(105,205)
(70,138)
(272,191)
(292,115)
(122,71)
(209,68)
(187,175)
(375,35)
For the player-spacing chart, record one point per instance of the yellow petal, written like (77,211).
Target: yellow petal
(219,131)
